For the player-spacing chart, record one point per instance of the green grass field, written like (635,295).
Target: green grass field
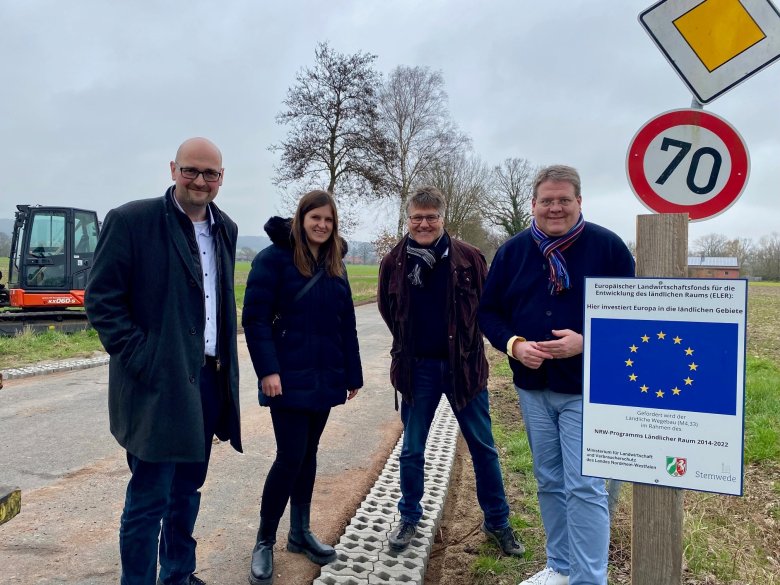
(362,279)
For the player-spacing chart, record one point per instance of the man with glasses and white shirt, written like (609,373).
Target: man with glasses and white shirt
(160,296)
(532,309)
(429,290)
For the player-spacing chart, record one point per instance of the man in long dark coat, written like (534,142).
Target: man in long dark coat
(160,296)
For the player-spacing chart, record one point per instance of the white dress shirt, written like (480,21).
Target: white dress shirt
(208,262)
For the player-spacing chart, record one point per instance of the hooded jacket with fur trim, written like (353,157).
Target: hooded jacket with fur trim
(312,342)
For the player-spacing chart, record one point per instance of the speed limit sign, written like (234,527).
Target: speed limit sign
(687,161)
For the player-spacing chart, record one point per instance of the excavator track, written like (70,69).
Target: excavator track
(16,322)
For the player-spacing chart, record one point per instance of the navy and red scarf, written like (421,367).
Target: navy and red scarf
(551,247)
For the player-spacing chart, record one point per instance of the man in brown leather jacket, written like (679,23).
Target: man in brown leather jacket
(429,291)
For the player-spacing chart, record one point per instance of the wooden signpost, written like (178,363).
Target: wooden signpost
(657,516)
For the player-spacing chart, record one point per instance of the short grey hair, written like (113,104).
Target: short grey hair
(558,173)
(427,197)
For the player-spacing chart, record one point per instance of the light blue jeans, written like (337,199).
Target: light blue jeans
(573,507)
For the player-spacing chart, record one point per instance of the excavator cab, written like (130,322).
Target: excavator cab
(52,249)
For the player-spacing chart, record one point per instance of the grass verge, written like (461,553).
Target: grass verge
(28,347)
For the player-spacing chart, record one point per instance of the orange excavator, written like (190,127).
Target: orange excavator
(52,249)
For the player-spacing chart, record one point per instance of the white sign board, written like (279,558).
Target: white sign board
(663,390)
(714,44)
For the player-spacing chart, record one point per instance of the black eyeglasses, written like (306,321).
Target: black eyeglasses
(192,173)
(418,219)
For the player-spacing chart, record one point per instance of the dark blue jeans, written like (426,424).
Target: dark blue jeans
(166,494)
(432,378)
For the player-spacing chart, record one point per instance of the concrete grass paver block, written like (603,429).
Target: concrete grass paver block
(50,368)
(363,554)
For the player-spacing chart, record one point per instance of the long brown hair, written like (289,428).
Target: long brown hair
(331,252)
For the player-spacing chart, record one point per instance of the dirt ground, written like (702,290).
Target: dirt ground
(67,532)
(457,545)
(460,540)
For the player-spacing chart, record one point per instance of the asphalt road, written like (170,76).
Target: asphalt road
(55,445)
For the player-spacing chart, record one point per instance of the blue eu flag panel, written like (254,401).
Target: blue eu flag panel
(689,366)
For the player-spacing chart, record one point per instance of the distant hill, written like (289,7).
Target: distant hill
(255,243)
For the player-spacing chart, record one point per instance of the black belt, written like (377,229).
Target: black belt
(212,361)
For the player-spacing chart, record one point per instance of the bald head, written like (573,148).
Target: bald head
(200,146)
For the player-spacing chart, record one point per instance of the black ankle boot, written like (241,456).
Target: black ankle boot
(301,540)
(262,570)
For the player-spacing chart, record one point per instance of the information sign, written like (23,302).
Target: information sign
(663,389)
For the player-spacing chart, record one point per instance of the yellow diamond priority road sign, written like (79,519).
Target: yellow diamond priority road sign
(714,44)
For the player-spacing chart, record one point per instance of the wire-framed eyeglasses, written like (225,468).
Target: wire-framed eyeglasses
(563,202)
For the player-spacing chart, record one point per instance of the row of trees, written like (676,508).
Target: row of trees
(759,259)
(5,245)
(370,138)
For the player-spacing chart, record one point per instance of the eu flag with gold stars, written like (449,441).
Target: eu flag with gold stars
(673,365)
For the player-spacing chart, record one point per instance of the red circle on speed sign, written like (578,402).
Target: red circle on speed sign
(687,161)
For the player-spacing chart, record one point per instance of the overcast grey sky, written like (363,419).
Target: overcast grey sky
(96,96)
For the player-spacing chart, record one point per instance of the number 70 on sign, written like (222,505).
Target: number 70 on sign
(687,161)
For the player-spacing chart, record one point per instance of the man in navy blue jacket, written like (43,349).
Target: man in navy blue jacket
(532,309)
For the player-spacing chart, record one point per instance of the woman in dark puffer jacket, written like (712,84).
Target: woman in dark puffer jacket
(299,322)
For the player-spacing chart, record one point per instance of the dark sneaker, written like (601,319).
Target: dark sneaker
(505,540)
(402,535)
(191,580)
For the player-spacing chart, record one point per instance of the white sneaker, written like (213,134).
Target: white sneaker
(547,576)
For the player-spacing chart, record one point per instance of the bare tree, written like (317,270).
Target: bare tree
(510,197)
(741,249)
(245,253)
(464,182)
(364,251)
(475,232)
(332,115)
(711,245)
(383,243)
(415,119)
(765,260)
